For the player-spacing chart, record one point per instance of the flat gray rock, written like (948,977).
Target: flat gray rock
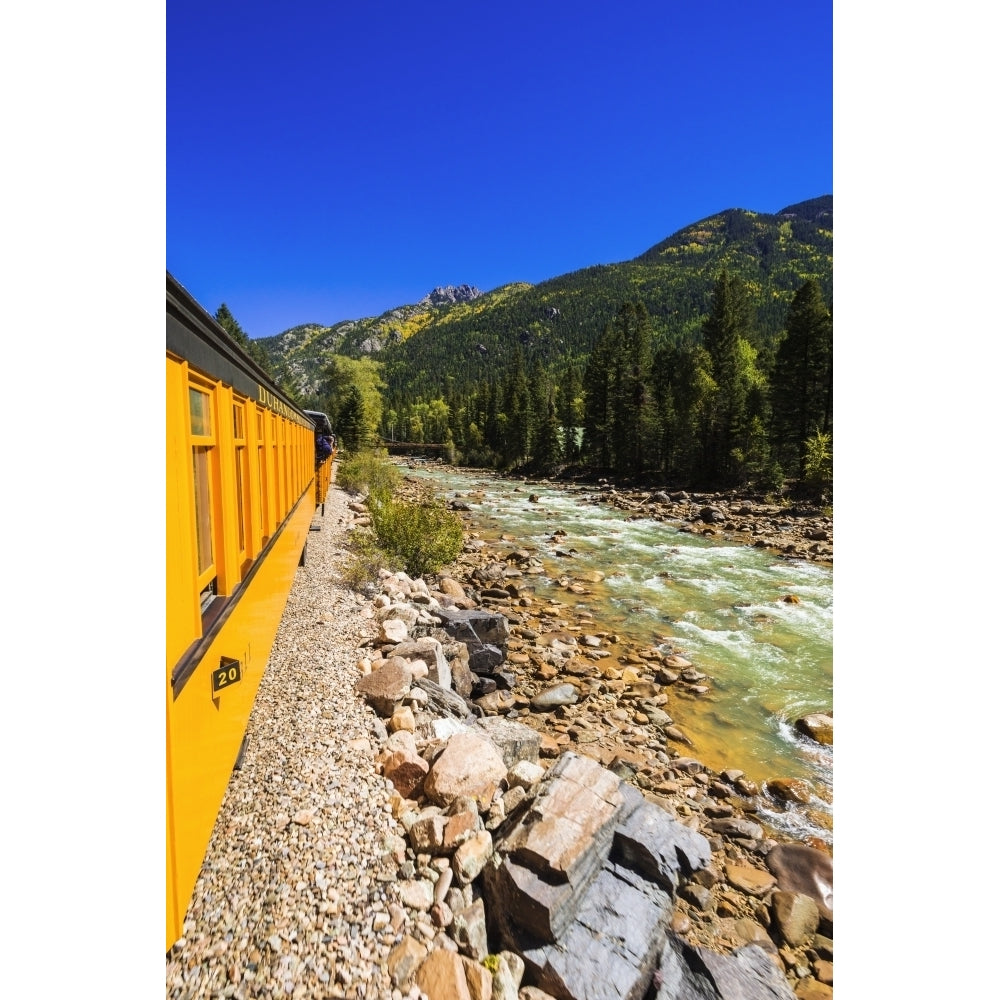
(687,973)
(650,841)
(611,949)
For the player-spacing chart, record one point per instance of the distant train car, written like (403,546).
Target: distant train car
(241,494)
(326,454)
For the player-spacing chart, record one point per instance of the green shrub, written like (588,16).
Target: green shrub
(368,469)
(364,561)
(424,534)
(771,479)
(818,468)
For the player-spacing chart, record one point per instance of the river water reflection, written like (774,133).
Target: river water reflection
(760,626)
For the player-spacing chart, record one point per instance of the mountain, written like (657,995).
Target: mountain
(455,338)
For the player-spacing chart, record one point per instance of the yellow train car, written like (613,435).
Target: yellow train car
(242,489)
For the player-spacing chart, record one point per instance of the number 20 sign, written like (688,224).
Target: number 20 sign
(227,674)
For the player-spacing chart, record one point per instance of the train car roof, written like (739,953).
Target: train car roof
(321,420)
(193,334)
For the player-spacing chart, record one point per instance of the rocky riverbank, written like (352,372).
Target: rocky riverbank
(540,827)
(567,689)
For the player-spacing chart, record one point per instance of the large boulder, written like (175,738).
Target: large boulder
(582,884)
(469,765)
(611,948)
(657,846)
(477,627)
(799,868)
(429,650)
(700,974)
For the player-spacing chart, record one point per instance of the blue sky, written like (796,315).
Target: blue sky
(328,161)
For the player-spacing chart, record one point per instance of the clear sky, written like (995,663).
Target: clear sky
(328,161)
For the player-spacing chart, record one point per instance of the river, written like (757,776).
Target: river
(760,626)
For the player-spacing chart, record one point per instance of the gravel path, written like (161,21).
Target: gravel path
(294,898)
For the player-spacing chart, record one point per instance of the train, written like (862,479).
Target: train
(247,471)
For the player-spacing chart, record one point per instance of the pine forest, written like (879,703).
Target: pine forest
(705,362)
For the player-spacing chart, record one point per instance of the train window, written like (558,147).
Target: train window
(277,506)
(204,467)
(201,412)
(242,483)
(262,479)
(203,510)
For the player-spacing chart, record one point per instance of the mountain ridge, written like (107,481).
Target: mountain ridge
(455,335)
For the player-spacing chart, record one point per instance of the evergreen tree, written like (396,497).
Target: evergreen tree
(548,446)
(726,334)
(618,411)
(517,410)
(539,395)
(570,399)
(802,384)
(352,423)
(227,321)
(597,399)
(631,391)
(492,436)
(342,375)
(686,395)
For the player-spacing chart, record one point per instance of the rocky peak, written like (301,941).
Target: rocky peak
(449,294)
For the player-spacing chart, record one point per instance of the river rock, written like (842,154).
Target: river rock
(699,974)
(514,740)
(752,881)
(789,790)
(561,694)
(485,658)
(448,585)
(384,687)
(469,765)
(677,662)
(611,949)
(404,959)
(394,630)
(812,989)
(442,976)
(650,841)
(796,916)
(745,829)
(508,976)
(443,704)
(478,626)
(570,822)
(428,649)
(818,727)
(496,702)
(799,868)
(469,931)
(402,719)
(470,859)
(543,866)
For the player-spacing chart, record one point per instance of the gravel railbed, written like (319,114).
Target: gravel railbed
(295,897)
